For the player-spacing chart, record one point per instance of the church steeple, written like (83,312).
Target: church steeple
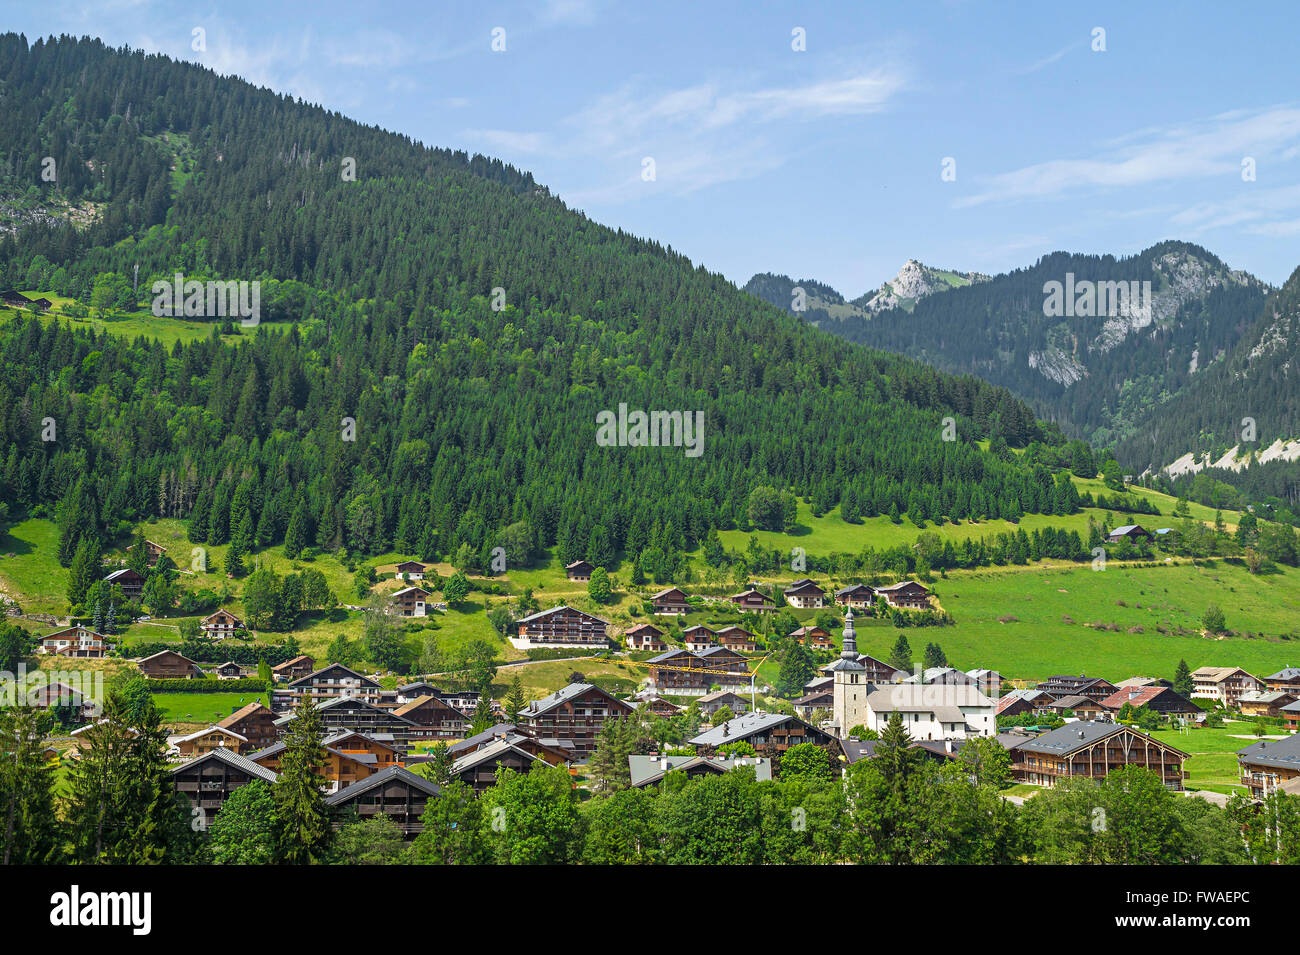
(850,650)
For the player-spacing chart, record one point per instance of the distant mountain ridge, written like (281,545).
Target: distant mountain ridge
(913,282)
(1098,375)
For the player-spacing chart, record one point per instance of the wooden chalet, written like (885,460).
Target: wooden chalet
(209,779)
(1223,685)
(753,600)
(51,696)
(819,638)
(710,703)
(670,602)
(75,642)
(875,671)
(562,626)
(441,719)
(906,595)
(1291,714)
(1268,703)
(1020,702)
(805,594)
(330,682)
(15,299)
(255,722)
(478,768)
(645,636)
(1160,699)
(382,723)
(294,669)
(1093,750)
(412,601)
(154,551)
(1082,707)
(219,625)
(395,792)
(738,639)
(1129,532)
(230,670)
(575,713)
(553,752)
(768,733)
(169,665)
(808,704)
(413,691)
(857,596)
(1286,680)
(210,738)
(132,583)
(410,570)
(579,570)
(699,637)
(656,705)
(651,770)
(350,756)
(724,666)
(1268,765)
(1065,685)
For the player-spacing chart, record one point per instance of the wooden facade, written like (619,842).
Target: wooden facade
(579,570)
(439,718)
(805,594)
(395,792)
(255,722)
(906,595)
(75,642)
(738,639)
(330,682)
(169,665)
(294,669)
(857,596)
(132,584)
(670,602)
(1094,750)
(563,626)
(219,625)
(645,636)
(1269,764)
(753,601)
(819,638)
(412,601)
(575,713)
(208,780)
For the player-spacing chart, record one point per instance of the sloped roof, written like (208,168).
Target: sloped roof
(1075,736)
(1281,753)
(739,727)
(361,786)
(230,759)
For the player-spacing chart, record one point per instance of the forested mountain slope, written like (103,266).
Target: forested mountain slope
(1096,376)
(469,420)
(1258,380)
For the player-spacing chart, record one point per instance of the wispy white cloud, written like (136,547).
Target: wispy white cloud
(699,136)
(1257,210)
(1050,58)
(1213,147)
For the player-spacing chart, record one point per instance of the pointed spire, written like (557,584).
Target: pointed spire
(850,649)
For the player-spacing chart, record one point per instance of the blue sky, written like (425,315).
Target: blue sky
(823,163)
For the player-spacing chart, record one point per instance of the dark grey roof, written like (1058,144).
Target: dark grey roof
(1287,673)
(1282,753)
(365,680)
(231,759)
(478,739)
(742,726)
(378,779)
(563,695)
(1073,736)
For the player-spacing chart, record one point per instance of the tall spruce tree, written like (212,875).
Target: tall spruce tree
(303,819)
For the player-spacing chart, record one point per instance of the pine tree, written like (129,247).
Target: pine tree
(1183,684)
(296,537)
(514,700)
(900,658)
(483,717)
(123,808)
(28,827)
(85,569)
(796,670)
(302,815)
(110,620)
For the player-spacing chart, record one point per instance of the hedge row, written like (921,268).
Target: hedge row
(207,651)
(247,685)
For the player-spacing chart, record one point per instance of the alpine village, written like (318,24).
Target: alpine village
(358,582)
